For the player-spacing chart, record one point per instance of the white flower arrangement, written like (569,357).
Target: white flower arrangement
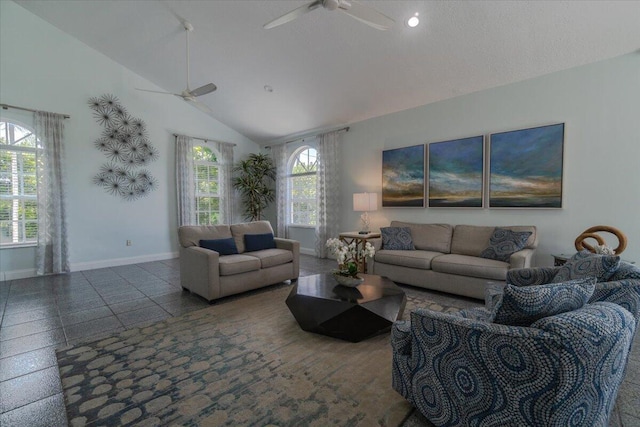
(347,255)
(604,250)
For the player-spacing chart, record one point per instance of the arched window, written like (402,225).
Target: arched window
(207,172)
(301,187)
(18,188)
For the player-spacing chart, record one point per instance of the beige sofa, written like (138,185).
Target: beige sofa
(212,276)
(447,258)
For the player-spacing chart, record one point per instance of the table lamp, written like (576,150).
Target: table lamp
(365,202)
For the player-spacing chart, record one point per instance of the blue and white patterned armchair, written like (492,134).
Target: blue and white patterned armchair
(622,288)
(563,370)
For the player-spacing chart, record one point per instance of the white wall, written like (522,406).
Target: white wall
(43,68)
(600,104)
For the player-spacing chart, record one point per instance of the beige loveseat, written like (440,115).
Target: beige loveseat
(212,276)
(447,258)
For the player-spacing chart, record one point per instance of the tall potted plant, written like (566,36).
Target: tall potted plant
(254,180)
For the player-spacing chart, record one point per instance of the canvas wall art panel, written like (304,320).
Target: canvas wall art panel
(456,173)
(403,177)
(526,168)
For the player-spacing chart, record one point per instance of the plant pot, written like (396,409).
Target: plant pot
(348,280)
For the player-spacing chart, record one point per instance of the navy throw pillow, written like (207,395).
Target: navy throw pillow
(504,243)
(397,238)
(258,242)
(222,246)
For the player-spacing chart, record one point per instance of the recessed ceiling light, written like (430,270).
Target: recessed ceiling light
(268,88)
(413,21)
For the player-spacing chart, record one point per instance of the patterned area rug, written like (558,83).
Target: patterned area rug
(242,362)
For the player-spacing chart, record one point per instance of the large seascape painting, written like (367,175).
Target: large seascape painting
(526,168)
(456,173)
(403,177)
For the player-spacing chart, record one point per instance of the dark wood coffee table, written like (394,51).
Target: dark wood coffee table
(322,306)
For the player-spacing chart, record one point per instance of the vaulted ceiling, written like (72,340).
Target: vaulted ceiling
(327,69)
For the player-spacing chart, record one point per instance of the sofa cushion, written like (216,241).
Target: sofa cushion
(222,246)
(236,264)
(585,264)
(504,242)
(272,257)
(465,265)
(190,235)
(521,306)
(473,239)
(256,227)
(258,242)
(412,259)
(397,238)
(429,237)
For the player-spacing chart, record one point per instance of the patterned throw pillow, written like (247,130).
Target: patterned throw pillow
(585,264)
(626,271)
(397,238)
(521,306)
(504,243)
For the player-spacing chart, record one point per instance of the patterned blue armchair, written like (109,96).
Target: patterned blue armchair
(622,288)
(562,370)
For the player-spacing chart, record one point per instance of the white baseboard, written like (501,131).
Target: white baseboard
(307,251)
(18,274)
(114,262)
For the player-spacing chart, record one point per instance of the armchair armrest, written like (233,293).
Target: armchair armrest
(401,337)
(531,276)
(625,293)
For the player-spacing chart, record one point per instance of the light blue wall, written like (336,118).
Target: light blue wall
(43,68)
(600,105)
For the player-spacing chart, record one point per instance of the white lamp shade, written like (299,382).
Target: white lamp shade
(365,202)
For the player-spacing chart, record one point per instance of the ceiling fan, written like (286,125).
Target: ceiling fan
(359,11)
(188,94)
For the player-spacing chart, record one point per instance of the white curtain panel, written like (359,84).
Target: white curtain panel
(225,161)
(185,181)
(328,190)
(279,156)
(52,251)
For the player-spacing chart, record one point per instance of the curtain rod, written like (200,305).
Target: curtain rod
(7,106)
(344,129)
(206,140)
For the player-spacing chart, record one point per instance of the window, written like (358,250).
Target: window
(301,186)
(207,186)
(18,189)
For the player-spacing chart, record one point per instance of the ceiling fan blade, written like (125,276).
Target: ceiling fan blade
(368,15)
(157,91)
(203,90)
(294,14)
(199,105)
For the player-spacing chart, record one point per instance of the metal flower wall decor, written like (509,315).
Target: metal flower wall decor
(124,142)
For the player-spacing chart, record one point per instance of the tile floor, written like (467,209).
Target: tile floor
(40,314)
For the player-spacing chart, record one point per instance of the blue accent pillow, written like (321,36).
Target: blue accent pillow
(587,264)
(397,238)
(258,242)
(504,243)
(222,246)
(523,305)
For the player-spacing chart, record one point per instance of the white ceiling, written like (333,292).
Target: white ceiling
(326,68)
